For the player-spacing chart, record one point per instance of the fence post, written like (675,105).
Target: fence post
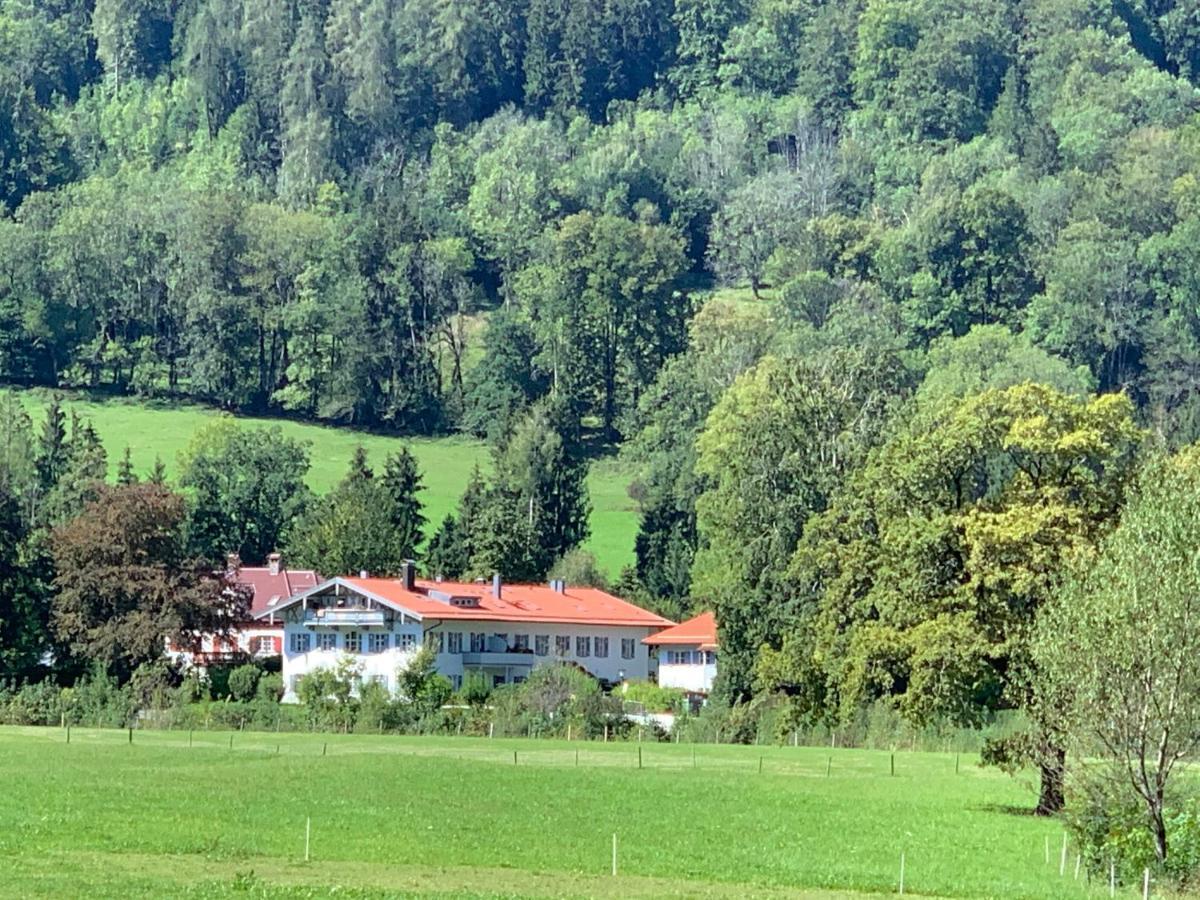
(901,872)
(614,865)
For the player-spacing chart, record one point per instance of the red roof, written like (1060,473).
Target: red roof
(700,630)
(274,586)
(516,603)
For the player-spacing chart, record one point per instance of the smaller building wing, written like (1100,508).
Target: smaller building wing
(699,631)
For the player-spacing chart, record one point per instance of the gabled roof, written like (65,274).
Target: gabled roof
(273,586)
(477,602)
(700,631)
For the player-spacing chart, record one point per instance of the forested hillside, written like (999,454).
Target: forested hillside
(917,206)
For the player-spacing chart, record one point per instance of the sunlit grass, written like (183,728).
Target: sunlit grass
(160,430)
(462,816)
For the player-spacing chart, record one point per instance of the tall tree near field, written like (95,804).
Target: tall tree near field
(608,310)
(245,488)
(24,611)
(542,469)
(921,582)
(773,452)
(124,583)
(1117,650)
(366,523)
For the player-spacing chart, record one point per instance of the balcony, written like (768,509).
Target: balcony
(499,658)
(339,617)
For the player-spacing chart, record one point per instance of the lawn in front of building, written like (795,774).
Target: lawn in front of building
(218,814)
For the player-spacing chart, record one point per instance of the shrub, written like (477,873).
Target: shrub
(654,698)
(243,682)
(1111,827)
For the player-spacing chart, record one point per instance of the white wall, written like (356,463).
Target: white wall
(608,668)
(388,662)
(380,665)
(242,638)
(696,677)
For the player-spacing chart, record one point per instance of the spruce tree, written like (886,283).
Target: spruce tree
(125,473)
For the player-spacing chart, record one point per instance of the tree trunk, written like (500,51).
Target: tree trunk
(1050,798)
(1159,827)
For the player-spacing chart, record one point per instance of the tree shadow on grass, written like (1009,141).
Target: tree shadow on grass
(1005,809)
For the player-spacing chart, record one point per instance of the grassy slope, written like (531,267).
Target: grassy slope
(162,430)
(392,816)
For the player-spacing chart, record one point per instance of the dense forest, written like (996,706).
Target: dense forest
(884,300)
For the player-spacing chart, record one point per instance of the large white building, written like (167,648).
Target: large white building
(687,654)
(501,630)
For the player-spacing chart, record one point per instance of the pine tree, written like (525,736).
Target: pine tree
(400,484)
(125,473)
(52,453)
(158,475)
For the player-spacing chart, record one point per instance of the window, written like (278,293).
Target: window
(456,642)
(562,645)
(262,645)
(405,641)
(710,657)
(299,643)
(437,641)
(502,640)
(541,645)
(679,657)
(353,642)
(521,643)
(327,640)
(583,646)
(627,648)
(477,642)
(497,680)
(377,641)
(601,647)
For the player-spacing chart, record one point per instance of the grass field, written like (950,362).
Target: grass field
(458,817)
(161,430)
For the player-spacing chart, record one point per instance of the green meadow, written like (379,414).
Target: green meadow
(160,430)
(224,814)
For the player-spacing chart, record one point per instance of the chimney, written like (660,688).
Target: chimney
(275,563)
(408,574)
(362,573)
(233,562)
(496,585)
(558,586)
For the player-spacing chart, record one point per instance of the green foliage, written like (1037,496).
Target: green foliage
(1115,655)
(243,682)
(653,697)
(921,581)
(367,523)
(775,449)
(244,489)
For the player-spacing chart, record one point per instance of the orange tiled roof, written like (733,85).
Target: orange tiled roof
(699,630)
(516,603)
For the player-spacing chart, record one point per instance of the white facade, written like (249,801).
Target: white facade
(611,653)
(379,652)
(687,668)
(326,628)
